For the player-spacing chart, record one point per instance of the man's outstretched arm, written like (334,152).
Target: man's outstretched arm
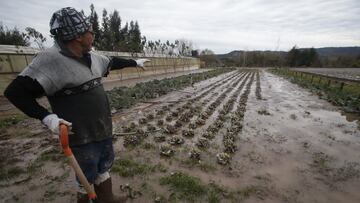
(117,63)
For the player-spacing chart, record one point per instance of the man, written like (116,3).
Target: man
(69,75)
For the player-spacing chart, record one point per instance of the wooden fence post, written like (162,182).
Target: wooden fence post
(329,82)
(341,86)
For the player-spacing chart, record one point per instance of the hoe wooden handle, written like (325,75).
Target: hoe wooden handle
(64,139)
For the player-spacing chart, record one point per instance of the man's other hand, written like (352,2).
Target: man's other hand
(140,62)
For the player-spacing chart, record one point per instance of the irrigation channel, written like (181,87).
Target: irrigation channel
(242,136)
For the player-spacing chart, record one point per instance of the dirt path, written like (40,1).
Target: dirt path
(283,145)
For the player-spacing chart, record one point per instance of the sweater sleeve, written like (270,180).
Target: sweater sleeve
(117,63)
(22,93)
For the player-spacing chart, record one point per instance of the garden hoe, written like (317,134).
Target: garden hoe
(64,139)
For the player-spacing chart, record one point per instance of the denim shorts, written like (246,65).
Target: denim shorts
(94,158)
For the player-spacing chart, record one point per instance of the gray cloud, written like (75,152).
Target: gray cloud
(222,26)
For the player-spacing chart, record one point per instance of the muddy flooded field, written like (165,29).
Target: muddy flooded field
(243,136)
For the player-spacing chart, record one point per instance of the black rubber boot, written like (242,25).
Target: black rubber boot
(105,195)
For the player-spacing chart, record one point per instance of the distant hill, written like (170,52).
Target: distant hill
(327,57)
(238,53)
(323,52)
(339,51)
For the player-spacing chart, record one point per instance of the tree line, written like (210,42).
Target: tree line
(111,34)
(127,38)
(302,57)
(295,57)
(15,37)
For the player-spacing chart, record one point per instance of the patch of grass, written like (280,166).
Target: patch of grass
(321,160)
(185,186)
(22,133)
(10,173)
(321,164)
(130,168)
(247,192)
(50,194)
(7,122)
(33,167)
(161,168)
(349,171)
(347,97)
(216,193)
(60,178)
(52,155)
(148,146)
(206,167)
(213,197)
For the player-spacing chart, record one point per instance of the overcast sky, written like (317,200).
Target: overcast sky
(219,25)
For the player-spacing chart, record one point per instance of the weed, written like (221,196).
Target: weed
(185,186)
(202,165)
(216,193)
(15,198)
(160,199)
(247,191)
(321,160)
(130,168)
(148,146)
(213,197)
(50,194)
(206,167)
(293,116)
(10,173)
(264,112)
(192,189)
(161,168)
(321,163)
(328,135)
(166,150)
(52,155)
(7,122)
(306,145)
(33,167)
(349,171)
